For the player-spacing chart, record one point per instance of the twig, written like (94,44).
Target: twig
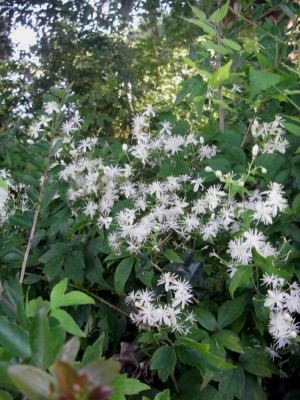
(248,130)
(221,109)
(256,25)
(36,213)
(107,303)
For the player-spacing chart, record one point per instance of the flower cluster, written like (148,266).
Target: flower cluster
(182,205)
(9,203)
(270,136)
(283,300)
(152,312)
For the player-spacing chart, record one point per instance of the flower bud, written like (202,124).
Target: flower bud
(255,150)
(124,147)
(218,174)
(263,170)
(208,169)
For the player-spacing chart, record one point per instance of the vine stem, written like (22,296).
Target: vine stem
(36,213)
(107,303)
(256,25)
(221,109)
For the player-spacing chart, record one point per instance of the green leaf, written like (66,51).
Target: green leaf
(230,311)
(221,75)
(219,14)
(5,381)
(122,273)
(173,257)
(164,361)
(257,363)
(73,298)
(174,167)
(94,351)
(253,389)
(260,80)
(227,378)
(296,204)
(32,382)
(126,386)
(229,340)
(240,279)
(40,339)
(57,292)
(14,338)
(200,356)
(231,44)
(165,395)
(203,25)
(199,14)
(67,322)
(74,267)
(261,311)
(54,259)
(206,319)
(292,128)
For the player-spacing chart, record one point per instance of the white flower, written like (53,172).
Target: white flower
(167,278)
(197,184)
(166,127)
(263,213)
(254,239)
(51,107)
(149,110)
(275,299)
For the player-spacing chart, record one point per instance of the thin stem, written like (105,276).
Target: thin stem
(36,213)
(107,303)
(287,98)
(221,109)
(7,303)
(156,266)
(256,25)
(175,382)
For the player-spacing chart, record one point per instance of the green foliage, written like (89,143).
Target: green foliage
(197,202)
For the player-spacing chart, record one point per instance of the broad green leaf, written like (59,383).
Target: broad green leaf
(24,221)
(57,292)
(173,257)
(164,361)
(227,378)
(122,273)
(74,267)
(257,363)
(221,75)
(165,395)
(32,382)
(126,386)
(73,298)
(292,128)
(194,87)
(296,204)
(203,25)
(209,45)
(14,338)
(253,390)
(219,14)
(5,381)
(33,305)
(56,250)
(266,265)
(230,311)
(94,351)
(260,80)
(229,340)
(200,356)
(231,44)
(206,319)
(67,322)
(199,14)
(261,311)
(40,339)
(240,279)
(174,167)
